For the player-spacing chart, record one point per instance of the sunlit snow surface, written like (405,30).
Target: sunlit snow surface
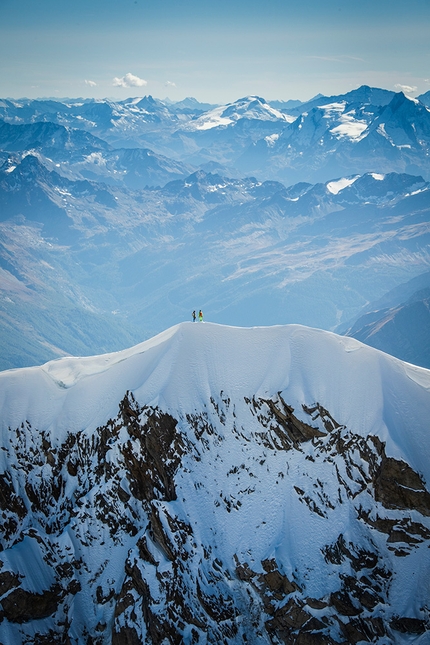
(336,186)
(181,370)
(178,368)
(349,127)
(250,107)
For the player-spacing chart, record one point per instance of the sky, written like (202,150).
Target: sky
(215,51)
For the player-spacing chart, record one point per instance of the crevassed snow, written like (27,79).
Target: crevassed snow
(212,119)
(349,127)
(336,186)
(332,108)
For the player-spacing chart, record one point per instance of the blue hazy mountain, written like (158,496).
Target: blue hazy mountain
(263,215)
(365,130)
(251,252)
(78,154)
(399,322)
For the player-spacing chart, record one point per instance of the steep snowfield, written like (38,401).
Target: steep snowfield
(232,500)
(182,367)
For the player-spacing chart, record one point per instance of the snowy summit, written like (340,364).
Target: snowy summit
(249,107)
(217,485)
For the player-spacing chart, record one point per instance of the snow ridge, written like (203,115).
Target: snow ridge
(217,484)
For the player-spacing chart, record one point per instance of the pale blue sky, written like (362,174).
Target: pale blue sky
(215,51)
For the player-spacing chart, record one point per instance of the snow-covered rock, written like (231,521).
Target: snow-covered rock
(348,135)
(252,108)
(215,484)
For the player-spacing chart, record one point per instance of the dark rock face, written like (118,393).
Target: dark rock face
(116,552)
(21,606)
(398,486)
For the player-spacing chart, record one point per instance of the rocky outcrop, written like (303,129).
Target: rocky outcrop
(398,486)
(123,529)
(284,429)
(22,606)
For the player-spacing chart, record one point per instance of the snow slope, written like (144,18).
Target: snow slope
(252,499)
(180,368)
(249,107)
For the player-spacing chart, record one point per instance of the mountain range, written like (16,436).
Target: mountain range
(365,130)
(117,219)
(217,485)
(89,267)
(255,478)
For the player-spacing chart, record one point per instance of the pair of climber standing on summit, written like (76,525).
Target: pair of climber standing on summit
(200,316)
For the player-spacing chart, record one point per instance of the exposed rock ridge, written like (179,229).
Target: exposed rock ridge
(107,517)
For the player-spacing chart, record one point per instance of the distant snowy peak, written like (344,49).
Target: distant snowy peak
(211,188)
(401,122)
(344,136)
(189,105)
(363,95)
(94,115)
(250,107)
(48,136)
(349,125)
(325,123)
(376,187)
(425,98)
(154,108)
(27,172)
(404,123)
(336,186)
(77,154)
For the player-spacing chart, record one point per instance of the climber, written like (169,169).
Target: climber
(200,315)
(194,316)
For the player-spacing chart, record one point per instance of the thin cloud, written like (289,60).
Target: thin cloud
(407,89)
(331,59)
(129,80)
(337,59)
(169,84)
(90,83)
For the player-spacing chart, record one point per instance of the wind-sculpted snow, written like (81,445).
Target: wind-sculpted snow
(216,485)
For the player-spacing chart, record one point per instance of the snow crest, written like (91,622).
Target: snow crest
(214,482)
